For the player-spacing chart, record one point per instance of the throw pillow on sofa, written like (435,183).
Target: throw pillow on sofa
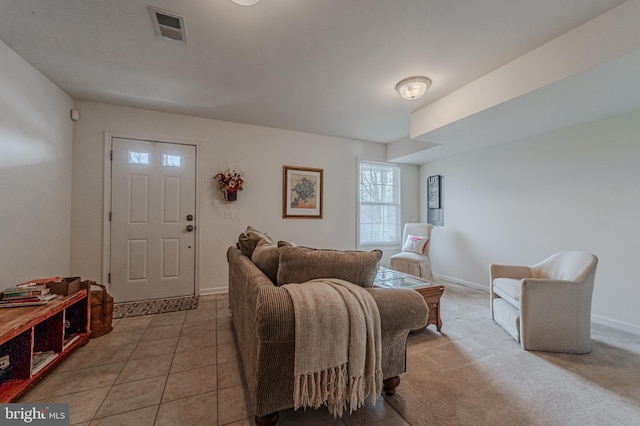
(248,240)
(299,264)
(282,243)
(266,257)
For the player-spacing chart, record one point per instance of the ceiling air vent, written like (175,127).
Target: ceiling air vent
(168,24)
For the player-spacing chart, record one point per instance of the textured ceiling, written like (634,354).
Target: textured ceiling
(320,66)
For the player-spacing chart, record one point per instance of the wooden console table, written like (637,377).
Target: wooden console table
(430,291)
(52,331)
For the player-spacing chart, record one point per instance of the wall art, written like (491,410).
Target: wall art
(302,192)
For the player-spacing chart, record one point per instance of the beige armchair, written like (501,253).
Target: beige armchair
(547,306)
(411,260)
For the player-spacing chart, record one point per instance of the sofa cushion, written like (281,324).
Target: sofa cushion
(509,289)
(248,240)
(299,264)
(507,316)
(266,257)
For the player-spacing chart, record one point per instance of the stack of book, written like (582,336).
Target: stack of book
(26,295)
(41,359)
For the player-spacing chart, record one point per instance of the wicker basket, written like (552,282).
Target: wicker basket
(101,311)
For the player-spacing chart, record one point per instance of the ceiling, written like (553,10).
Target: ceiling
(320,66)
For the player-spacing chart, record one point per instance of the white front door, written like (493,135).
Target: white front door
(152,220)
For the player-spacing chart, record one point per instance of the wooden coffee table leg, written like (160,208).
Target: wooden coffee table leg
(437,320)
(432,296)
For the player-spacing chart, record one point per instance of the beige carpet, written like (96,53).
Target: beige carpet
(474,373)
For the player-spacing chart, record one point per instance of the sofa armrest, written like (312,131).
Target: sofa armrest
(274,315)
(401,309)
(542,298)
(515,272)
(554,311)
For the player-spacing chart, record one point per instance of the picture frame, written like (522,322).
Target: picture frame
(302,192)
(433,192)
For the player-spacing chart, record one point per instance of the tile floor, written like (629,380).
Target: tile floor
(179,368)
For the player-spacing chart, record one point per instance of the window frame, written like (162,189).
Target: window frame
(397,188)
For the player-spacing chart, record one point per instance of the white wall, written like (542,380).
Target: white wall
(575,189)
(261,153)
(35,173)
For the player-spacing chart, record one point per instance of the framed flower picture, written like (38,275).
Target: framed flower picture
(301,192)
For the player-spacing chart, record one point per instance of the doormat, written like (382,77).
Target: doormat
(157,306)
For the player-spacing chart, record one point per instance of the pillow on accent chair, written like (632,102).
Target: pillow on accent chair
(414,244)
(266,257)
(299,264)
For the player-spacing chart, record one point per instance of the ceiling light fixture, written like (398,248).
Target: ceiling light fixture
(245,2)
(413,88)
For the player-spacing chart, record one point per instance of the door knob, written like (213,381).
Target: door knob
(189,217)
(189,228)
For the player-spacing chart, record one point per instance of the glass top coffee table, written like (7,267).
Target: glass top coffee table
(430,291)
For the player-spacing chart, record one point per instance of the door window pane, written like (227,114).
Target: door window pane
(138,157)
(170,160)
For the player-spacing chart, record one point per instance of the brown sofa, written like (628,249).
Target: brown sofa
(263,318)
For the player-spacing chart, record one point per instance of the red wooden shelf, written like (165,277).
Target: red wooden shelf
(30,329)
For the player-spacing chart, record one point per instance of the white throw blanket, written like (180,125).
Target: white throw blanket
(338,345)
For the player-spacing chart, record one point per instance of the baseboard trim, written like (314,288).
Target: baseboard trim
(618,325)
(212,291)
(463,282)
